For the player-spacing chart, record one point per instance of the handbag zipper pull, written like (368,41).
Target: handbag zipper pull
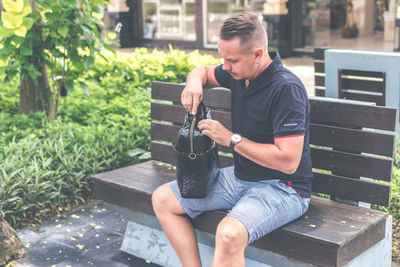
(192,155)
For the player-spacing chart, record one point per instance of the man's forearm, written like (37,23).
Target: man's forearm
(271,155)
(197,77)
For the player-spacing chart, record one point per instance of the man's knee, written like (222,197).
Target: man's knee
(164,201)
(231,236)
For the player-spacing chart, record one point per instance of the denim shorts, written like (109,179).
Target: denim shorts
(261,206)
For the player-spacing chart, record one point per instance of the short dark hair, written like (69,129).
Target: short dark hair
(247,27)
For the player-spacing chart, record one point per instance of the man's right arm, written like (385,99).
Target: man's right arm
(198,79)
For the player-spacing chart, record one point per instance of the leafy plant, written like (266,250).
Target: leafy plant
(62,35)
(45,165)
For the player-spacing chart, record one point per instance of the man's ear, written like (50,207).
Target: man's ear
(258,53)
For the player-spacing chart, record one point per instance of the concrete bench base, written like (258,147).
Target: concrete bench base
(145,239)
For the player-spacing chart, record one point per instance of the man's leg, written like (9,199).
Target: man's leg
(230,242)
(176,225)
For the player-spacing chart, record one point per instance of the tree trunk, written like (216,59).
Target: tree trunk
(11,247)
(36,96)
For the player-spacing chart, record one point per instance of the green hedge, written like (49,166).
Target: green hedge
(46,165)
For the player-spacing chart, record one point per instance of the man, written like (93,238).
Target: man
(270,182)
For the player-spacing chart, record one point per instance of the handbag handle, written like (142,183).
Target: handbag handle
(195,118)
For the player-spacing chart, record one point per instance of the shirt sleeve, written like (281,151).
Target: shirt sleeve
(223,77)
(289,113)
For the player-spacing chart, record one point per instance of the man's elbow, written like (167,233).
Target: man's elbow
(291,167)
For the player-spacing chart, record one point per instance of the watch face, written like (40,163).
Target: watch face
(236,138)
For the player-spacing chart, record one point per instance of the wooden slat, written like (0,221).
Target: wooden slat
(168,133)
(319,67)
(214,98)
(352,139)
(353,189)
(172,113)
(164,152)
(319,53)
(378,100)
(352,165)
(363,85)
(356,115)
(319,80)
(372,74)
(319,92)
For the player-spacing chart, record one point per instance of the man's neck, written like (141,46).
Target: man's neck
(261,67)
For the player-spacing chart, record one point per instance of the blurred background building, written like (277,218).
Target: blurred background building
(294,26)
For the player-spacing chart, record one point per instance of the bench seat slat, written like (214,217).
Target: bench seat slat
(319,81)
(352,165)
(379,100)
(319,53)
(362,115)
(164,152)
(356,140)
(363,73)
(364,85)
(168,133)
(326,226)
(319,67)
(353,189)
(215,98)
(176,114)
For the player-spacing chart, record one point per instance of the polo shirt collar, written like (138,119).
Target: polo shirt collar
(269,71)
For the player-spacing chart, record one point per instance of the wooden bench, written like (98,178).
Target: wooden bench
(359,85)
(350,140)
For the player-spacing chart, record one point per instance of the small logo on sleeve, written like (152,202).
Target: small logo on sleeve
(290,124)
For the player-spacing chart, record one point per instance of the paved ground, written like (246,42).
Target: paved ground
(88,236)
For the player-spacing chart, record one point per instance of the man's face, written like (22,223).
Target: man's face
(240,64)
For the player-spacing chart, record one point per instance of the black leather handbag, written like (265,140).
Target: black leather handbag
(196,154)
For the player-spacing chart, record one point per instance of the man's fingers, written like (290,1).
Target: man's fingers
(195,104)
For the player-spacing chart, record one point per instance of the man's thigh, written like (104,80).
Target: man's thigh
(268,206)
(221,194)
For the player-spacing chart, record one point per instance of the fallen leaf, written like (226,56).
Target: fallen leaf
(73,238)
(313,225)
(58,225)
(342,222)
(27,245)
(148,261)
(74,216)
(80,246)
(47,259)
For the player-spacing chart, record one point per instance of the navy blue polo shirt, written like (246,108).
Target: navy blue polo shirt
(274,105)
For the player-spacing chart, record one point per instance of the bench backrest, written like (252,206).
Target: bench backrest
(356,85)
(346,138)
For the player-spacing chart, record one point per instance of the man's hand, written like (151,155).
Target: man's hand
(191,97)
(216,131)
